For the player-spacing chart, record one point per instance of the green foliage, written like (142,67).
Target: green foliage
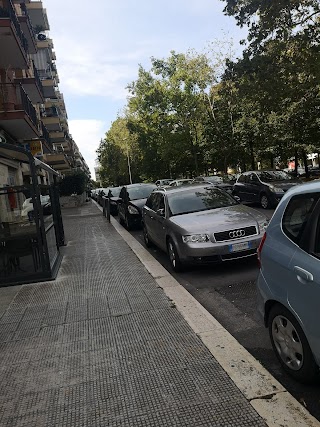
(73,184)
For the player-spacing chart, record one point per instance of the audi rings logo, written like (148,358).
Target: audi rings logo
(237,233)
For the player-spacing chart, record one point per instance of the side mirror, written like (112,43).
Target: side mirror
(160,212)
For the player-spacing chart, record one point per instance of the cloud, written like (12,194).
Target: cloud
(87,135)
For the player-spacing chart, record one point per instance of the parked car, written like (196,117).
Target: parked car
(201,224)
(28,209)
(132,198)
(162,182)
(179,182)
(101,193)
(113,194)
(266,187)
(221,181)
(289,281)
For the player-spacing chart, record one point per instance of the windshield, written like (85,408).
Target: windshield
(274,176)
(114,192)
(198,200)
(136,193)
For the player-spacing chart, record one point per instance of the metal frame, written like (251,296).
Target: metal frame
(47,272)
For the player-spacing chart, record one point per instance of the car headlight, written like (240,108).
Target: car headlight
(132,210)
(263,224)
(195,238)
(275,189)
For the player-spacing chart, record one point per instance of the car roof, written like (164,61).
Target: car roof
(308,187)
(184,188)
(139,184)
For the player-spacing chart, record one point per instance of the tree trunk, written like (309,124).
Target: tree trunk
(305,163)
(253,163)
(271,161)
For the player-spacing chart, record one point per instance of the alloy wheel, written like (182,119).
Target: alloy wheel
(172,254)
(264,201)
(287,342)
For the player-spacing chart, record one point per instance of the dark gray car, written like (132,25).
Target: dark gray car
(266,187)
(201,224)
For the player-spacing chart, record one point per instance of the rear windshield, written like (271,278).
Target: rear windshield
(274,176)
(136,193)
(196,200)
(114,192)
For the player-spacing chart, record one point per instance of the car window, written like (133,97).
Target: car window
(158,201)
(151,201)
(274,176)
(141,192)
(252,178)
(242,178)
(297,214)
(196,200)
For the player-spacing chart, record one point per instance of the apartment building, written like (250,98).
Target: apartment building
(32,109)
(36,146)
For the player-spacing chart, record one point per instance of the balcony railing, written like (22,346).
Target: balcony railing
(13,97)
(45,134)
(10,12)
(37,77)
(25,13)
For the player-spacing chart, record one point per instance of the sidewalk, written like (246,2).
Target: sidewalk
(103,345)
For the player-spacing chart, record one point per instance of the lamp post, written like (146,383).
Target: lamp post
(129,167)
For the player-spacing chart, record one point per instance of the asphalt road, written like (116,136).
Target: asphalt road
(228,292)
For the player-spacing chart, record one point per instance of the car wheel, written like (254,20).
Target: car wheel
(291,346)
(264,201)
(146,239)
(175,262)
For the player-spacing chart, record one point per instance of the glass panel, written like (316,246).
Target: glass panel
(52,245)
(19,253)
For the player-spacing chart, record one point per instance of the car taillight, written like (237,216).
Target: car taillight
(260,248)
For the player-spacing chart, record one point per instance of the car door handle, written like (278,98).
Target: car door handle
(303,275)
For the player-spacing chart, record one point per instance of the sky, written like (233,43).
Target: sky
(100,44)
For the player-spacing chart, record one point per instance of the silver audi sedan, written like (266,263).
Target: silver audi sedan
(201,224)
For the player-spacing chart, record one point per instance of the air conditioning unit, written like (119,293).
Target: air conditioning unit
(41,37)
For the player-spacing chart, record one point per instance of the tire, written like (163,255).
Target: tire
(291,345)
(146,239)
(265,202)
(175,262)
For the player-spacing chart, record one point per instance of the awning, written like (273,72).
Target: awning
(46,167)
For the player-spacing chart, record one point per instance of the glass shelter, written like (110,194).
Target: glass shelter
(31,228)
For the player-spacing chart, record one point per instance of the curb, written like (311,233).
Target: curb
(267,396)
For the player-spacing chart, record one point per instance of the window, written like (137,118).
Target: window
(159,202)
(252,178)
(297,214)
(151,201)
(242,178)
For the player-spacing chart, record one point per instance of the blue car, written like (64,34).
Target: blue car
(289,281)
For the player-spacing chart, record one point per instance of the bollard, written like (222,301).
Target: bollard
(108,209)
(104,206)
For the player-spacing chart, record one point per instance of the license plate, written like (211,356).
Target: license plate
(237,247)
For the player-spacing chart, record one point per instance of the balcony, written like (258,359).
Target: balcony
(27,28)
(51,120)
(17,114)
(38,15)
(32,85)
(57,161)
(13,43)
(48,86)
(57,137)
